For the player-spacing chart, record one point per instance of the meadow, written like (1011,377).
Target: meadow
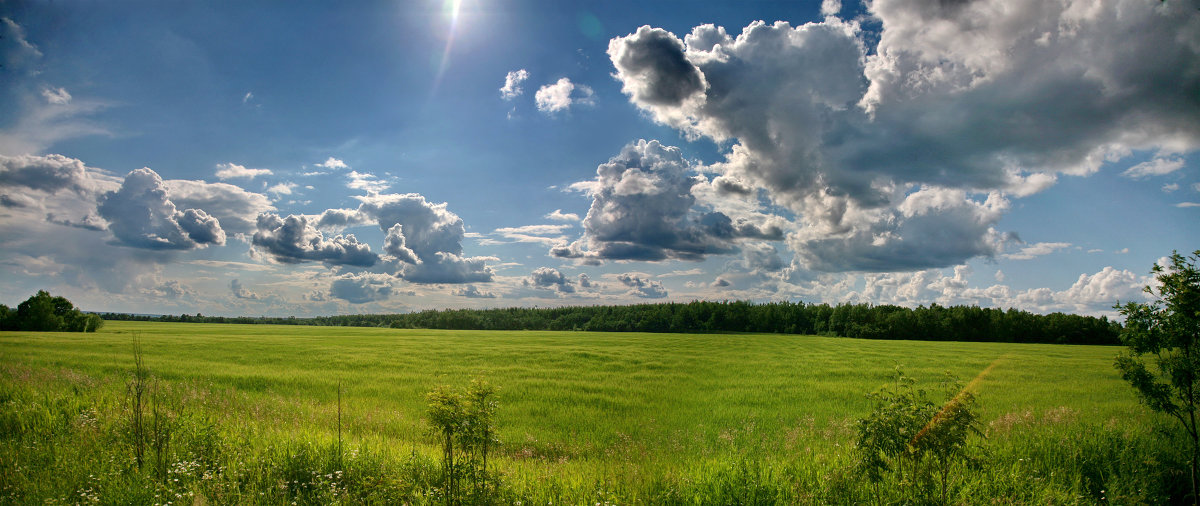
(252,416)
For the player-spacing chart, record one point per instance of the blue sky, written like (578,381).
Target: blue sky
(321,158)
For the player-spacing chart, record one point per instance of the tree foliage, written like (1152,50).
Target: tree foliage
(45,313)
(914,438)
(1166,334)
(464,423)
(925,323)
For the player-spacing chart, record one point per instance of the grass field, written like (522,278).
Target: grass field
(584,417)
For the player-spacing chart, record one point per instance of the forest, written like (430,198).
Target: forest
(927,323)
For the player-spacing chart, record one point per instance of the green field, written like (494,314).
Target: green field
(584,417)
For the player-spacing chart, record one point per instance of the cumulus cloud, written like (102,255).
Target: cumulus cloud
(561,95)
(393,244)
(550,278)
(48,173)
(431,237)
(471,292)
(282,188)
(653,69)
(240,291)
(642,209)
(141,215)
(235,208)
(641,286)
(981,98)
(235,171)
(761,258)
(586,284)
(931,227)
(831,7)
(1090,294)
(171,289)
(337,219)
(512,84)
(1102,289)
(360,288)
(333,163)
(294,239)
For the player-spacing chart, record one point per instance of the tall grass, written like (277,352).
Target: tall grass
(595,418)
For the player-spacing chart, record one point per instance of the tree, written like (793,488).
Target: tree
(468,418)
(1167,331)
(446,416)
(945,436)
(46,313)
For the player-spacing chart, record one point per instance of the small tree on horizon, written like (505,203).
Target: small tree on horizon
(1168,330)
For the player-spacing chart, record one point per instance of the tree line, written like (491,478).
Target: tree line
(45,313)
(932,323)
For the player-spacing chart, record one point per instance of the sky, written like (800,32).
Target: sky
(319,158)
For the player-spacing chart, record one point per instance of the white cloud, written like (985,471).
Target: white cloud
(991,97)
(641,286)
(236,208)
(1101,290)
(333,163)
(39,124)
(247,97)
(141,215)
(931,227)
(558,215)
(642,209)
(240,291)
(1155,167)
(471,292)
(361,288)
(284,188)
(561,95)
(1188,204)
(831,7)
(550,235)
(550,278)
(294,239)
(688,272)
(49,173)
(1170,187)
(512,84)
(56,96)
(365,182)
(1037,250)
(18,51)
(234,171)
(432,233)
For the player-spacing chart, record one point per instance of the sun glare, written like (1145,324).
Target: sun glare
(451,11)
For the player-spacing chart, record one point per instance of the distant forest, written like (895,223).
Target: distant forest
(926,323)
